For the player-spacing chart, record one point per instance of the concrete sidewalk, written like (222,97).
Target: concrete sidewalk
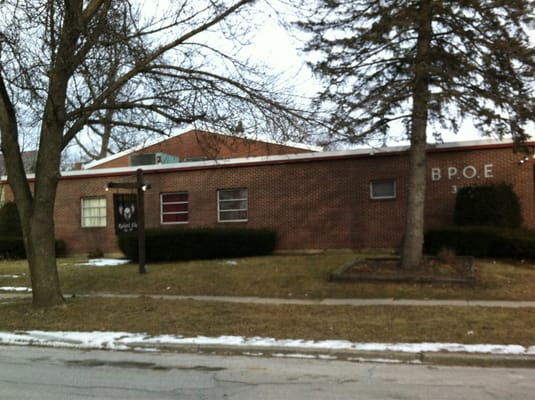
(322,302)
(332,302)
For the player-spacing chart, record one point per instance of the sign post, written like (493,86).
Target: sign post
(141,188)
(141,220)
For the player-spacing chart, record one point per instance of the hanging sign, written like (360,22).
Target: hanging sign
(124,207)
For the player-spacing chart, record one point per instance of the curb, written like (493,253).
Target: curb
(480,360)
(387,357)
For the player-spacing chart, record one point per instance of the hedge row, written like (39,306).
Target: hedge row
(481,241)
(493,205)
(10,221)
(204,243)
(12,247)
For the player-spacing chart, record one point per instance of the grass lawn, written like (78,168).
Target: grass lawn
(277,276)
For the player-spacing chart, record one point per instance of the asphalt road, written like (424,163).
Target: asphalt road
(46,373)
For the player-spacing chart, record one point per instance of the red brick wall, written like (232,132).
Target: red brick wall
(209,145)
(502,166)
(313,204)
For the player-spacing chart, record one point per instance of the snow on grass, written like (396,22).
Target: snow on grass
(15,289)
(129,341)
(104,262)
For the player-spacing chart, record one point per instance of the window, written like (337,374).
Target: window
(174,208)
(93,212)
(383,189)
(232,205)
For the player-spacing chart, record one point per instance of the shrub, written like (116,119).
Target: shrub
(11,241)
(202,243)
(61,248)
(13,247)
(9,220)
(493,205)
(481,241)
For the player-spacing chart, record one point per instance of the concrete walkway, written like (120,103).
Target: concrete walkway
(336,302)
(321,302)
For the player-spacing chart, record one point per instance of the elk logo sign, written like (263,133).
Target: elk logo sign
(124,206)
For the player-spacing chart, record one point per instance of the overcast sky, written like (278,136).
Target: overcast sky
(282,50)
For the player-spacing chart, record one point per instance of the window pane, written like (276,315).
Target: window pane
(233,205)
(233,216)
(174,208)
(174,197)
(385,189)
(167,208)
(232,194)
(93,212)
(174,218)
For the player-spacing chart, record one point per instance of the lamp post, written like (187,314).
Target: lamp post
(140,206)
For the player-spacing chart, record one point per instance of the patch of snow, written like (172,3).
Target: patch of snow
(128,341)
(381,360)
(11,276)
(250,354)
(104,262)
(294,355)
(15,289)
(80,340)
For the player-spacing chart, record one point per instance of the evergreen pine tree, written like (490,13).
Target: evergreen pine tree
(426,64)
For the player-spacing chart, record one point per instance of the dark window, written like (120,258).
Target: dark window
(383,189)
(174,208)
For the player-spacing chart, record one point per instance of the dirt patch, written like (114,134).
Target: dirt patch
(432,270)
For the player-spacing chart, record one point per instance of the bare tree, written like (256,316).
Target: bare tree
(424,64)
(73,64)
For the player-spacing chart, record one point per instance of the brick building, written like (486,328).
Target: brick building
(196,145)
(314,200)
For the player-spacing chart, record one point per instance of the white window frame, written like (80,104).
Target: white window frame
(93,212)
(374,196)
(162,222)
(221,212)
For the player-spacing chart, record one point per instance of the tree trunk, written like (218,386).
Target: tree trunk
(36,211)
(36,208)
(41,255)
(37,215)
(412,251)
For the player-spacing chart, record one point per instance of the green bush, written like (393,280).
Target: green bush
(12,247)
(61,248)
(481,241)
(493,205)
(10,221)
(11,242)
(202,243)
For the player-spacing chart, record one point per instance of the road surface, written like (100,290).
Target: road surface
(28,373)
